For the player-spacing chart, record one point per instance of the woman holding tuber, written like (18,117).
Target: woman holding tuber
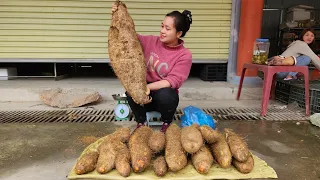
(168,66)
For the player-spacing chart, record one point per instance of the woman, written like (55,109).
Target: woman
(168,66)
(298,53)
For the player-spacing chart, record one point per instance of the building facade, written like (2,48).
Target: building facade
(68,30)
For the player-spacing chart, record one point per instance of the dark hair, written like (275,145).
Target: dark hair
(313,44)
(182,20)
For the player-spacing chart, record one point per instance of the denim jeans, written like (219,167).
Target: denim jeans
(165,101)
(302,60)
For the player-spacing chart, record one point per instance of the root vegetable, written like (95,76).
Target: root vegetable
(157,141)
(87,163)
(107,149)
(191,139)
(160,166)
(122,161)
(221,152)
(202,160)
(139,149)
(238,146)
(106,160)
(196,125)
(175,155)
(123,134)
(209,135)
(244,167)
(126,55)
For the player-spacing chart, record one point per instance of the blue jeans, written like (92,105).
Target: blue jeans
(302,60)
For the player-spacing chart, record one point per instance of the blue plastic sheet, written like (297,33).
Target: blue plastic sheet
(194,115)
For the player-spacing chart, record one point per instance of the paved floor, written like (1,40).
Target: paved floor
(193,89)
(31,152)
(38,105)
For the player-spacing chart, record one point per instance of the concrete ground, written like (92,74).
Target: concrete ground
(38,105)
(27,90)
(48,151)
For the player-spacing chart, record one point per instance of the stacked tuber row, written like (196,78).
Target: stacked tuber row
(144,148)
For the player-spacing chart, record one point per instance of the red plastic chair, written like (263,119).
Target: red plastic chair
(270,82)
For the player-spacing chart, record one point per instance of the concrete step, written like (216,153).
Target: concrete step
(28,90)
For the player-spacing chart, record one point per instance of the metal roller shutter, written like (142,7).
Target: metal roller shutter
(79,28)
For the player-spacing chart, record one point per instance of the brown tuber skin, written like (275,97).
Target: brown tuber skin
(209,135)
(113,152)
(107,149)
(244,167)
(175,155)
(160,166)
(221,152)
(191,139)
(87,163)
(202,160)
(196,125)
(157,141)
(126,55)
(139,149)
(238,146)
(122,161)
(107,156)
(123,134)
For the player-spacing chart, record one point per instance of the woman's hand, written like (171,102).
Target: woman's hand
(158,85)
(148,91)
(114,8)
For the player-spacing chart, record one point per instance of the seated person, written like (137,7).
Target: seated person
(298,53)
(168,66)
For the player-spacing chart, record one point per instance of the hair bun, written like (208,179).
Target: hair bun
(188,15)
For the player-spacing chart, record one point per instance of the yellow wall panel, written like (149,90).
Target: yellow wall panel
(52,33)
(53,44)
(201,56)
(96,16)
(98,4)
(79,28)
(7,46)
(168,1)
(53,55)
(84,50)
(65,40)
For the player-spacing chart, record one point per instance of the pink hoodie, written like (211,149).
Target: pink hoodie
(166,63)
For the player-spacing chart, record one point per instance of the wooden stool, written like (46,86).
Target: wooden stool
(150,118)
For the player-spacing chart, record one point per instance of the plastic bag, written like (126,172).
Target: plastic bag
(315,119)
(193,115)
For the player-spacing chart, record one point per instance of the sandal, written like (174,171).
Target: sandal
(290,78)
